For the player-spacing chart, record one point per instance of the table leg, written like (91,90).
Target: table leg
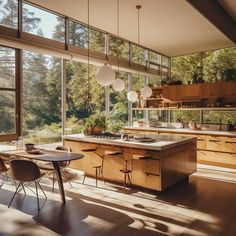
(59,180)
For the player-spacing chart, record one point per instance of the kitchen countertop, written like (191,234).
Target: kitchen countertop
(162,141)
(186,131)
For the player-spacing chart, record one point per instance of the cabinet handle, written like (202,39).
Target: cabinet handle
(230,142)
(151,174)
(214,141)
(200,139)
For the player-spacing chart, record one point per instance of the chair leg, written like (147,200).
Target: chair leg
(14,194)
(96,177)
(84,178)
(41,189)
(124,182)
(36,187)
(23,188)
(129,179)
(53,181)
(101,169)
(66,177)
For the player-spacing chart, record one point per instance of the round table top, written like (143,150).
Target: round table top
(47,155)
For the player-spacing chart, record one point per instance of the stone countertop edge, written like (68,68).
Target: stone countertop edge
(187,131)
(118,142)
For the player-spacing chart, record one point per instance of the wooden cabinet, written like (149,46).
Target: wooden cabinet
(191,92)
(173,93)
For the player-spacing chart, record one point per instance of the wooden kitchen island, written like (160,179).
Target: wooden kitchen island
(172,159)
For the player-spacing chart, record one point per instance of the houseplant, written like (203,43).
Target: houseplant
(95,124)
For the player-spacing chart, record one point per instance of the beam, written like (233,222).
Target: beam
(217,15)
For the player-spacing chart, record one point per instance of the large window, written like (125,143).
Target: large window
(118,46)
(139,55)
(78,34)
(119,106)
(79,105)
(7,90)
(43,23)
(9,13)
(42,98)
(217,117)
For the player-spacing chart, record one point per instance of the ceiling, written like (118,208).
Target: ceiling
(170,27)
(230,7)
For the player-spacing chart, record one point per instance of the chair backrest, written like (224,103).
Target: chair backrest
(3,167)
(24,170)
(63,148)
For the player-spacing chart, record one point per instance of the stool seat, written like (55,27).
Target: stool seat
(89,149)
(140,157)
(96,166)
(112,153)
(126,171)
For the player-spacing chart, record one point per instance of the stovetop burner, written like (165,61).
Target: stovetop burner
(106,135)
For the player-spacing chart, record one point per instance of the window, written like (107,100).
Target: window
(43,23)
(7,90)
(9,13)
(185,116)
(119,106)
(139,55)
(96,41)
(123,46)
(165,61)
(78,106)
(216,117)
(78,34)
(154,59)
(42,98)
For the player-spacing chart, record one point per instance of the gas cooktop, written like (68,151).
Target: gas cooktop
(106,135)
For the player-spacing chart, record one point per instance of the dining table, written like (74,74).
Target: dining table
(46,155)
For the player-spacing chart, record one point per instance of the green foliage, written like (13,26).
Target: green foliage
(96,120)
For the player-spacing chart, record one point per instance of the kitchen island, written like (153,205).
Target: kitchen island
(171,158)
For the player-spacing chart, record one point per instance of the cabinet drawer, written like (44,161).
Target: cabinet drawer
(153,182)
(229,144)
(217,158)
(214,143)
(201,142)
(153,167)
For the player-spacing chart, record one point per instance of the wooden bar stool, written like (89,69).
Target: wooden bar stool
(98,167)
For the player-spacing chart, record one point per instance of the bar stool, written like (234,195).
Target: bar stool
(98,167)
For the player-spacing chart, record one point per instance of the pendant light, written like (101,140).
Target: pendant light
(132,95)
(105,75)
(118,84)
(88,98)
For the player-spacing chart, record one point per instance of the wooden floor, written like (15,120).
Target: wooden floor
(204,206)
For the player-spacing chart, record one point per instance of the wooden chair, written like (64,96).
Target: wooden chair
(25,172)
(4,172)
(98,167)
(49,169)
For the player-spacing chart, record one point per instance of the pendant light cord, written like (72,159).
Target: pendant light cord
(138,7)
(118,34)
(88,48)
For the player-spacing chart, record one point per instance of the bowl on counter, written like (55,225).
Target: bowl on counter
(29,146)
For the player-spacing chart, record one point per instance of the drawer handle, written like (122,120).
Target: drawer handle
(151,174)
(200,139)
(214,141)
(230,142)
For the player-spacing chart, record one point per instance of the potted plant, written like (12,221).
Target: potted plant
(95,124)
(230,125)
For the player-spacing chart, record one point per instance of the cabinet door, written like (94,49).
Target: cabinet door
(172,93)
(191,92)
(205,90)
(201,142)
(229,144)
(214,143)
(216,89)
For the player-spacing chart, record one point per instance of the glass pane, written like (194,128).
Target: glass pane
(43,23)
(139,55)
(7,67)
(138,82)
(155,81)
(165,61)
(185,116)
(219,65)
(216,117)
(9,13)
(79,105)
(122,45)
(42,98)
(119,106)
(97,41)
(7,112)
(186,68)
(78,34)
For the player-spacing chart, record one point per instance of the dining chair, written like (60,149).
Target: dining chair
(4,172)
(26,172)
(49,169)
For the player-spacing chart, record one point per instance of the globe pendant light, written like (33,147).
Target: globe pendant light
(118,84)
(132,96)
(146,92)
(105,75)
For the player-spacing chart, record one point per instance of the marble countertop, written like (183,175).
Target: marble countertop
(184,131)
(162,141)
